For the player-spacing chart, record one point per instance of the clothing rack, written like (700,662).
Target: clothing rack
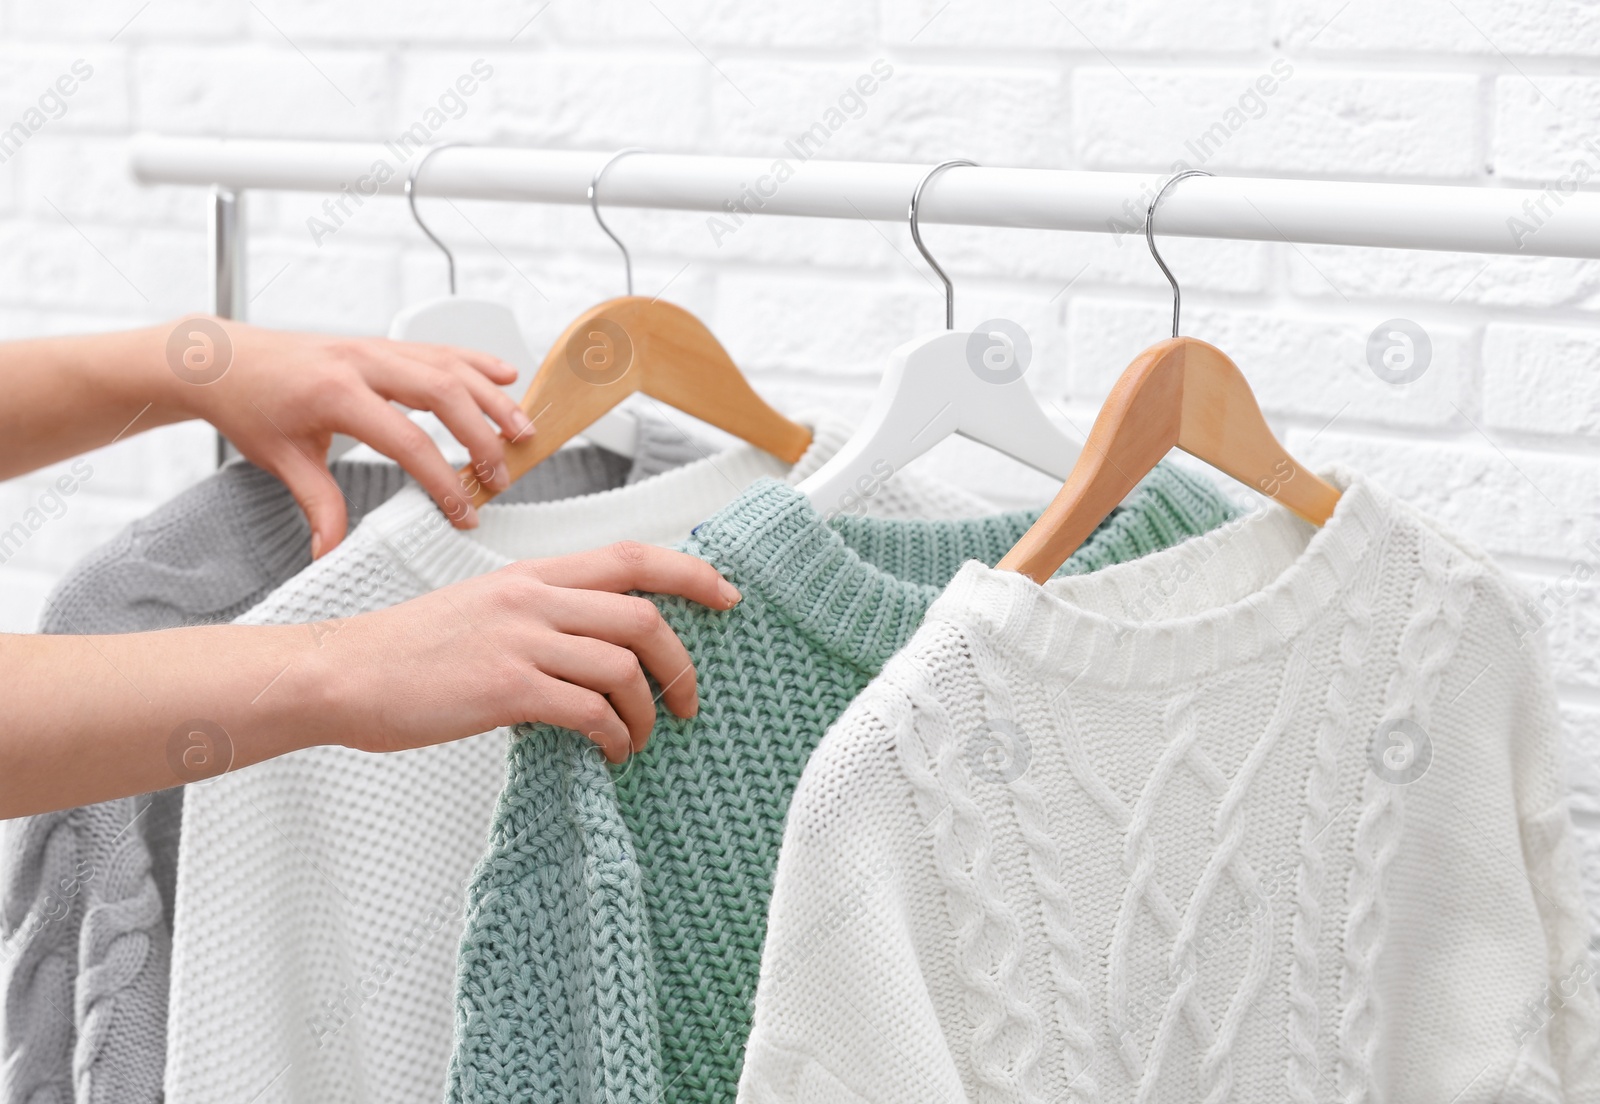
(1557,221)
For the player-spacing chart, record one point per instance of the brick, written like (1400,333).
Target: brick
(1339,123)
(265,91)
(1308,367)
(338,289)
(87,179)
(1564,28)
(402,21)
(650,100)
(29,76)
(840,24)
(919,113)
(1542,379)
(1580,730)
(1543,128)
(758,320)
(1356,274)
(1091,27)
(118,20)
(1509,501)
(1572,631)
(51,263)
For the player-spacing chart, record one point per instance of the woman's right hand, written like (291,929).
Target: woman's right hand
(556,640)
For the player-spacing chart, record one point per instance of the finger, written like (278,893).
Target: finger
(373,421)
(514,424)
(319,497)
(423,388)
(442,356)
(585,712)
(633,623)
(611,671)
(630,565)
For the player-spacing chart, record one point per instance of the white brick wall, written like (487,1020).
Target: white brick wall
(1501,437)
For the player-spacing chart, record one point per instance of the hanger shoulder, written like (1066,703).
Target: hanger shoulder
(1137,426)
(930,390)
(1223,425)
(1180,393)
(631,344)
(685,366)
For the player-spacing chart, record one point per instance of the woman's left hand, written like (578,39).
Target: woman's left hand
(280,397)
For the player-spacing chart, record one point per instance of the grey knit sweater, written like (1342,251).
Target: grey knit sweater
(86,895)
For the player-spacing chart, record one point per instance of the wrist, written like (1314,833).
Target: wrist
(134,370)
(314,699)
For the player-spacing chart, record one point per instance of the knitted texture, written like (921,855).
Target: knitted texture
(319,895)
(614,929)
(87,894)
(1276,814)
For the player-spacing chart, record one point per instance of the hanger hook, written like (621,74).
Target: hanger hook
(411,199)
(594,205)
(916,236)
(1150,240)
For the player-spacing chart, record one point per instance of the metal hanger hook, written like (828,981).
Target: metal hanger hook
(916,236)
(411,199)
(594,205)
(1150,240)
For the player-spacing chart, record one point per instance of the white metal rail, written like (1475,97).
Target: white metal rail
(1559,221)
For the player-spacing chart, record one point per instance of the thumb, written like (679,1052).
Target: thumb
(320,499)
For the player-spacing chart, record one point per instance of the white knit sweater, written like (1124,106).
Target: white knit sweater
(1159,834)
(319,894)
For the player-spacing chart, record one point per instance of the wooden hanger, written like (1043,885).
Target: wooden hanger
(944,383)
(1179,393)
(484,325)
(637,344)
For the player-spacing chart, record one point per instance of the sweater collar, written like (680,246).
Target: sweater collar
(660,509)
(1210,604)
(859,586)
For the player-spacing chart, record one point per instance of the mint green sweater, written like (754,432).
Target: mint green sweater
(613,931)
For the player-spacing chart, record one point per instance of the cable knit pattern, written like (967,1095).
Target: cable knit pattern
(1257,899)
(320,900)
(1333,734)
(1426,645)
(206,556)
(825,605)
(203,557)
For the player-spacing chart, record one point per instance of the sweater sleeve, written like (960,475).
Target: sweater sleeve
(844,1011)
(1571,1003)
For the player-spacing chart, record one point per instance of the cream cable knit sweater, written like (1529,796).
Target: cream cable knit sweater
(320,894)
(1275,815)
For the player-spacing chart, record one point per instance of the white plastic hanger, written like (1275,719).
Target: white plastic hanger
(950,382)
(487,326)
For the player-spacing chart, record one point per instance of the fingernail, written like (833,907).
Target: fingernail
(523,423)
(469,517)
(730,593)
(502,475)
(316,545)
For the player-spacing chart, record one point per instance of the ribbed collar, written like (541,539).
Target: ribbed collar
(772,543)
(858,587)
(660,509)
(1210,604)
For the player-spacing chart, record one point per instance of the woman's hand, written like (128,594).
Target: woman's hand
(556,640)
(280,398)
